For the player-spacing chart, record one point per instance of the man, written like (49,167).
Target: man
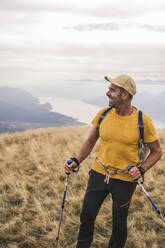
(118,148)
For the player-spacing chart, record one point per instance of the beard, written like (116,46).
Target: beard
(114,102)
(111,102)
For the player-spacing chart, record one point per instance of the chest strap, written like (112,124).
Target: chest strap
(109,172)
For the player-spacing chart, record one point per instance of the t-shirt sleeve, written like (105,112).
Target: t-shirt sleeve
(97,117)
(149,130)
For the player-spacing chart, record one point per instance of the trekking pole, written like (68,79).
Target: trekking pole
(63,203)
(153,204)
(149,198)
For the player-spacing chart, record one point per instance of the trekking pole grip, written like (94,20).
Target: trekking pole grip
(69,161)
(142,175)
(129,167)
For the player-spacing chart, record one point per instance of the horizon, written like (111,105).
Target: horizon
(77,105)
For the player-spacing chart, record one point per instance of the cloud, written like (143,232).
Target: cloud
(92,27)
(45,40)
(107,9)
(114,26)
(23,15)
(153,28)
(33,6)
(75,62)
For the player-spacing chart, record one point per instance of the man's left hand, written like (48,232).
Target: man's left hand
(134,173)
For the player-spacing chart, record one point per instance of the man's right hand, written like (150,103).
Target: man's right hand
(69,167)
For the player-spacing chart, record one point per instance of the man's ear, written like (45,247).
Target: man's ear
(125,94)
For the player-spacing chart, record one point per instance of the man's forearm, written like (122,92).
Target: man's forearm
(153,157)
(84,151)
(88,145)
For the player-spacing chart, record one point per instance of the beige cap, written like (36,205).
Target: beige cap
(125,82)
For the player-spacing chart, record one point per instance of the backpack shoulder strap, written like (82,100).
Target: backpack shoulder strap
(140,125)
(103,116)
(142,152)
(140,121)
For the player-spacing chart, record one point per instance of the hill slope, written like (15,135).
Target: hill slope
(31,190)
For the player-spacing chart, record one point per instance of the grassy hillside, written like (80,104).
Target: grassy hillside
(31,189)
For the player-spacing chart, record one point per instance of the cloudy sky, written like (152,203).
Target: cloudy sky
(59,48)
(43,42)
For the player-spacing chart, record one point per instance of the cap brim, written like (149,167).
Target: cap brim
(112,81)
(109,79)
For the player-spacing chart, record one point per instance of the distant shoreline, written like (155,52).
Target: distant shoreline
(80,110)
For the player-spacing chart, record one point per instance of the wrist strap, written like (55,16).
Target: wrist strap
(77,164)
(142,171)
(76,161)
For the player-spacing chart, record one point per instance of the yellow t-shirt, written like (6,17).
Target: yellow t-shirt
(119,137)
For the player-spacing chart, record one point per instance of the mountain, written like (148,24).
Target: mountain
(21,98)
(20,110)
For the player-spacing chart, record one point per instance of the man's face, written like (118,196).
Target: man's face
(114,94)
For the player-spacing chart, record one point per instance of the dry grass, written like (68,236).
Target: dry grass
(31,190)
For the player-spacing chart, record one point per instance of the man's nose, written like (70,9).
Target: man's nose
(108,93)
